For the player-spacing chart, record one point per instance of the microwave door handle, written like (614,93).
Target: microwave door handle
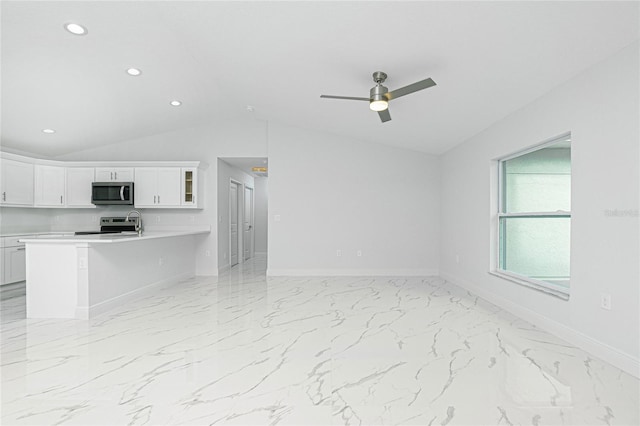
(122,193)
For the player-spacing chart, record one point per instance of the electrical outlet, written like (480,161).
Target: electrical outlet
(94,218)
(160,261)
(157,219)
(605,301)
(338,253)
(82,263)
(359,253)
(207,253)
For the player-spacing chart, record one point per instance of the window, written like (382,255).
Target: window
(534,217)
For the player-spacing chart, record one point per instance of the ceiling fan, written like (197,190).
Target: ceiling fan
(379,95)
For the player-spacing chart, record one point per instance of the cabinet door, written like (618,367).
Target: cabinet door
(189,187)
(79,181)
(114,174)
(16,183)
(49,185)
(123,175)
(169,184)
(145,187)
(104,174)
(14,265)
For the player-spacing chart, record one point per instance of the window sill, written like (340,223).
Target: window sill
(533,284)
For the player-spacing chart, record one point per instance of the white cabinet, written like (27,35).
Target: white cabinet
(49,186)
(79,181)
(189,195)
(16,183)
(13,260)
(157,187)
(111,174)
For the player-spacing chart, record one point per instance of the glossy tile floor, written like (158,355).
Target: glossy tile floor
(242,349)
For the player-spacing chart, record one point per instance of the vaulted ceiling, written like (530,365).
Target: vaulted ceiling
(487,58)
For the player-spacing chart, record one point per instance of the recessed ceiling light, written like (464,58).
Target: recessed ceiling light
(134,72)
(175,103)
(76,29)
(48,131)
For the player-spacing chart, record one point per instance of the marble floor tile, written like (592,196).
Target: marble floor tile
(242,349)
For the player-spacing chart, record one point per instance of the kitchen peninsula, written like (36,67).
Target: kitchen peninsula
(80,276)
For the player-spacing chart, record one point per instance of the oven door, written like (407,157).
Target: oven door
(112,193)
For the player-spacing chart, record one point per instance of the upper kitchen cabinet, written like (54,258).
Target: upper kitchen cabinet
(79,180)
(157,187)
(16,183)
(111,174)
(189,196)
(49,186)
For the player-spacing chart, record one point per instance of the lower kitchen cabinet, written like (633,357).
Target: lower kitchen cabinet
(13,260)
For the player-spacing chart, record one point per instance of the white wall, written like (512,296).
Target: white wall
(261,213)
(338,193)
(226,172)
(600,109)
(242,138)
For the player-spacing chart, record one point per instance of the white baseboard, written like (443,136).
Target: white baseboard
(99,308)
(352,272)
(622,360)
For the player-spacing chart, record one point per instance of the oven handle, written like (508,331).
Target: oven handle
(122,193)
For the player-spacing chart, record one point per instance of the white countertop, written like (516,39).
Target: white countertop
(111,238)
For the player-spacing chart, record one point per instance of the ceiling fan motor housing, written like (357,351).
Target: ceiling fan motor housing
(378,92)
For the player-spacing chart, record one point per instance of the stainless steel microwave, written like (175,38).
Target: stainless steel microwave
(112,193)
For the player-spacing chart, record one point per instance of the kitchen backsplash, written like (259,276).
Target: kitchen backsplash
(15,220)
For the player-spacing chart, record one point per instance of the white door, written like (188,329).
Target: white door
(247,242)
(17,182)
(49,184)
(14,265)
(145,187)
(233,223)
(79,181)
(169,186)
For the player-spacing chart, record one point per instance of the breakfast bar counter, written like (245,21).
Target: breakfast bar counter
(80,276)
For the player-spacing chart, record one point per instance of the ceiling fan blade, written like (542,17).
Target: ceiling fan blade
(349,98)
(384,115)
(419,85)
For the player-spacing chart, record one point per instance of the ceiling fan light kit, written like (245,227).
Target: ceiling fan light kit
(379,95)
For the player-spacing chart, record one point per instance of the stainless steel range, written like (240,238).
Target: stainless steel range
(114,225)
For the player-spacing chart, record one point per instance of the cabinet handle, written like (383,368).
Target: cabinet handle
(110,175)
(158,199)
(20,248)
(61,199)
(4,196)
(154,199)
(116,174)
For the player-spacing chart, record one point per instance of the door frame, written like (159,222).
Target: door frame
(251,221)
(239,217)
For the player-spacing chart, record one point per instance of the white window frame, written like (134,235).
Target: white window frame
(543,286)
